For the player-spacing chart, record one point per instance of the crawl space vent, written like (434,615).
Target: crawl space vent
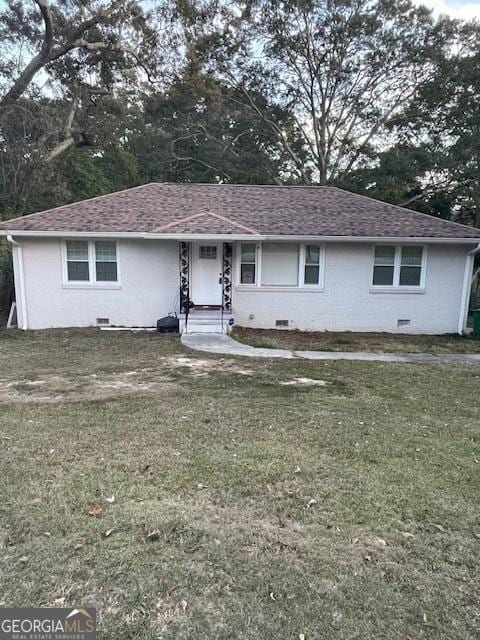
(103,321)
(403,323)
(281,323)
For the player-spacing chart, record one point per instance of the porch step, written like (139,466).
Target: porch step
(205,328)
(204,317)
(205,322)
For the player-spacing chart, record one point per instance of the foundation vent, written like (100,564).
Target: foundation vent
(403,323)
(281,323)
(103,321)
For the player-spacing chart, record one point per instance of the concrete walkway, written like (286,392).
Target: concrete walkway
(224,345)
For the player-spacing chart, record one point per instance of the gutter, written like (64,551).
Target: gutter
(466,289)
(247,237)
(17,254)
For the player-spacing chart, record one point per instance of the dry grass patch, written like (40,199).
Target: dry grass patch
(349,341)
(230,505)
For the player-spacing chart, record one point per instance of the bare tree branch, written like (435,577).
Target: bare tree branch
(38,61)
(68,141)
(436,188)
(48,53)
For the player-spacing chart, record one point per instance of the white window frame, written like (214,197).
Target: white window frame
(302,264)
(258,262)
(396,287)
(92,282)
(301,286)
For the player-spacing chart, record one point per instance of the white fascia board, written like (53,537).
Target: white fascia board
(129,234)
(375,239)
(239,236)
(71,234)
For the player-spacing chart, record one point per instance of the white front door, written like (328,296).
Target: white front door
(206,273)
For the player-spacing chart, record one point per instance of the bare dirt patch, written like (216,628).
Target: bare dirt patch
(304,382)
(204,365)
(166,374)
(56,388)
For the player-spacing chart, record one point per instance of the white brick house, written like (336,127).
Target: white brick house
(310,258)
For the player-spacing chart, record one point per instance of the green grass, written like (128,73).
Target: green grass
(243,507)
(349,341)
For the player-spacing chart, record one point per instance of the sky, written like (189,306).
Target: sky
(464,9)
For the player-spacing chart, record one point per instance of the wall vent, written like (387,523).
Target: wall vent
(103,321)
(281,323)
(403,323)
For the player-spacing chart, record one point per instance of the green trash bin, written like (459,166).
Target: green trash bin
(476,322)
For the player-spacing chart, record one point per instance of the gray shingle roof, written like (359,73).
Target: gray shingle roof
(159,208)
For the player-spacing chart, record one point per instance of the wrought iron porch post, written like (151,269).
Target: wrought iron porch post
(227,278)
(184,249)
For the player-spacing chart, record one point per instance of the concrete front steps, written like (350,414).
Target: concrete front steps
(205,322)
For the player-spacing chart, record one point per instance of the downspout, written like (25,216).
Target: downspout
(20,285)
(467,284)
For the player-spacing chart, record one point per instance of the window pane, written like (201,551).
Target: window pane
(311,274)
(383,276)
(248,253)
(410,276)
(208,252)
(106,271)
(279,264)
(77,271)
(106,251)
(77,250)
(384,255)
(412,256)
(247,275)
(312,254)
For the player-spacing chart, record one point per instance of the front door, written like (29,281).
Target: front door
(206,273)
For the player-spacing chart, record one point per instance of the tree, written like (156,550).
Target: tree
(199,131)
(347,69)
(403,175)
(435,166)
(62,66)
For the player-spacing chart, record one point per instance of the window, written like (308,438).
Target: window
(248,253)
(88,262)
(77,261)
(105,262)
(280,264)
(411,266)
(312,265)
(398,266)
(208,252)
(384,266)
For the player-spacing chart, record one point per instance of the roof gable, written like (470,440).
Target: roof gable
(207,222)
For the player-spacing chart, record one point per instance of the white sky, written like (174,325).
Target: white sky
(463,9)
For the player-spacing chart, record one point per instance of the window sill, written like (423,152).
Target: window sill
(93,285)
(397,290)
(304,289)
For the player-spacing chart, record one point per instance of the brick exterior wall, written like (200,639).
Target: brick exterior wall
(149,289)
(347,303)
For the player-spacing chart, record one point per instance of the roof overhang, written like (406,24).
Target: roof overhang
(233,237)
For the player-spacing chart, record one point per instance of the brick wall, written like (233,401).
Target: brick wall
(150,281)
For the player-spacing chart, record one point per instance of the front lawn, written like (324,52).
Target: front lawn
(194,497)
(349,341)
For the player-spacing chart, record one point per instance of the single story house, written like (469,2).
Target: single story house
(297,257)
